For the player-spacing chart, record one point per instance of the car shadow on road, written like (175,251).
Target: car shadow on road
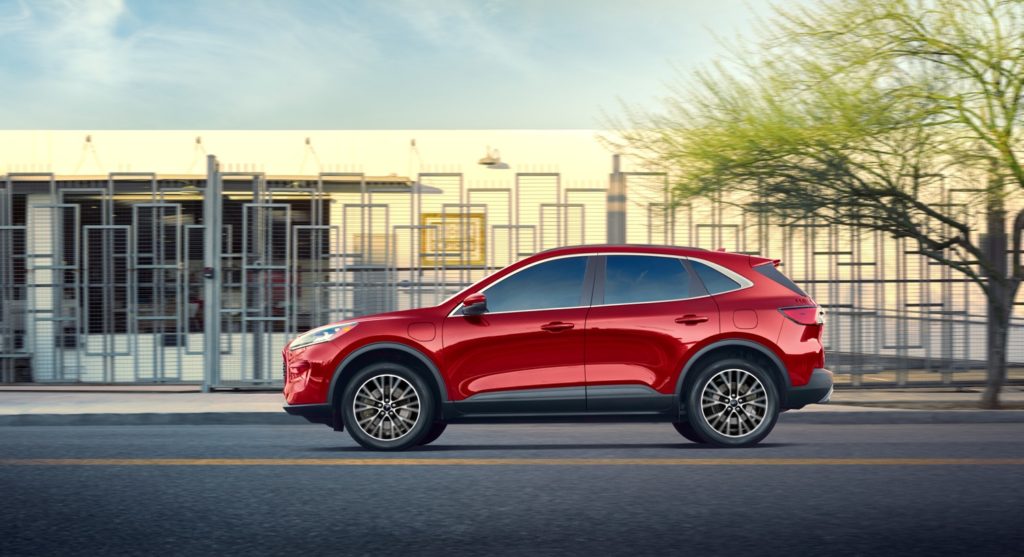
(555,447)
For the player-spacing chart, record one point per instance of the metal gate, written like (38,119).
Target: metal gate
(94,282)
(298,253)
(15,352)
(139,278)
(889,308)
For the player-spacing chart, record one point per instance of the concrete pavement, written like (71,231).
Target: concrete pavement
(90,405)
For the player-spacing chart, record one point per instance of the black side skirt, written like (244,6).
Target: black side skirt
(612,403)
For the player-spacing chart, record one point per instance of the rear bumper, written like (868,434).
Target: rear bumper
(817,390)
(315,413)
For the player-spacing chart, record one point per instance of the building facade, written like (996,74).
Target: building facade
(165,256)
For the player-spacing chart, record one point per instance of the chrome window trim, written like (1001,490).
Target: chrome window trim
(739,279)
(743,281)
(453,314)
(652,301)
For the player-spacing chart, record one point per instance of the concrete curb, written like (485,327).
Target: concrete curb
(882,417)
(152,418)
(876,417)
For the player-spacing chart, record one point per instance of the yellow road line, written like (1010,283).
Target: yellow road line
(512,462)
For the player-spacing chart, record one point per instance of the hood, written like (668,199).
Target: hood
(405,313)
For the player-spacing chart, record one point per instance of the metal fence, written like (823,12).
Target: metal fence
(141,278)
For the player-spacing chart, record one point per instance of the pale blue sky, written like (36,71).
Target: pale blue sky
(332,64)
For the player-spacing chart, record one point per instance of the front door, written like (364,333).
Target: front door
(649,311)
(525,354)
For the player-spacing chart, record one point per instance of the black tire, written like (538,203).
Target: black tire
(382,381)
(687,431)
(435,431)
(732,399)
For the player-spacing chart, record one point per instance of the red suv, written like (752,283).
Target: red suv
(715,343)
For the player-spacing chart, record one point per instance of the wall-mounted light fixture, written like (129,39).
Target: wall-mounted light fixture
(492,160)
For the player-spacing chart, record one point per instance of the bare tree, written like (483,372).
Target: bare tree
(856,112)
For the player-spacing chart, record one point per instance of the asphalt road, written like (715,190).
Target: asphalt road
(512,490)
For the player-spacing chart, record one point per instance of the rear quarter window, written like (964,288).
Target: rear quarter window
(714,281)
(769,270)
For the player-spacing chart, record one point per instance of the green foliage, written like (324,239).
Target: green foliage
(857,112)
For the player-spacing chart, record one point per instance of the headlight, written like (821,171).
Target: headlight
(320,334)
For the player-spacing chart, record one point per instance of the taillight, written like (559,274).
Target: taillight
(804,315)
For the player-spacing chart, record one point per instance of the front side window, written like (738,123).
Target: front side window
(552,284)
(644,278)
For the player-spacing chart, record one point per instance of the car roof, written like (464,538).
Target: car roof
(638,248)
(717,256)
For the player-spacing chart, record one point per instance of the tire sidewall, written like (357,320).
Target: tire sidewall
(433,433)
(423,390)
(686,430)
(703,428)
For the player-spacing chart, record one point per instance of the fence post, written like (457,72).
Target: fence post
(212,278)
(616,204)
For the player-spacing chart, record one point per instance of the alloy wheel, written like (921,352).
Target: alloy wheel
(734,402)
(386,407)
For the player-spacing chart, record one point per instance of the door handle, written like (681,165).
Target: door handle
(556,326)
(691,319)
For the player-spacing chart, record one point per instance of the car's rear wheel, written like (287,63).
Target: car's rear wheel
(687,431)
(388,407)
(733,403)
(435,431)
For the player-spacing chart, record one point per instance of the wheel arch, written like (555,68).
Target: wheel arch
(726,346)
(386,351)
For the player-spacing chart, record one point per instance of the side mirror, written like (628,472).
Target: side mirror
(474,304)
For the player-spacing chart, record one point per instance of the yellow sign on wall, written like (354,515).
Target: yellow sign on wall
(458,239)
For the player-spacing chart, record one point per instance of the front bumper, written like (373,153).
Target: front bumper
(817,390)
(315,413)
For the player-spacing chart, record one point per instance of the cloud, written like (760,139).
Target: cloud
(202,64)
(76,39)
(221,58)
(483,29)
(14,17)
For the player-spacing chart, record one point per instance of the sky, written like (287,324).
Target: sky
(346,64)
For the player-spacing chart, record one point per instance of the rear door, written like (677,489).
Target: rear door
(648,313)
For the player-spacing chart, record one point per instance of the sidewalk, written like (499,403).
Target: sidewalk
(147,405)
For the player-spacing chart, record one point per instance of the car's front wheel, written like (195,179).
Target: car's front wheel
(435,431)
(388,407)
(733,402)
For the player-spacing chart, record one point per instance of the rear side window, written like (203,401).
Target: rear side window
(642,278)
(714,281)
(553,284)
(771,272)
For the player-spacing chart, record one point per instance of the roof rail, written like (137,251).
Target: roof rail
(612,246)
